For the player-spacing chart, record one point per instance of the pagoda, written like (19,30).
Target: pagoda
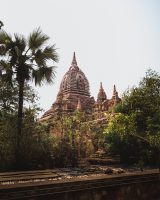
(74,94)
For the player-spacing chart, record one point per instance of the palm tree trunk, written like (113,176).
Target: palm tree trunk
(19,125)
(159,159)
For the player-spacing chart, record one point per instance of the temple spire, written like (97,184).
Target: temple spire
(114,90)
(101,94)
(74,62)
(101,87)
(115,94)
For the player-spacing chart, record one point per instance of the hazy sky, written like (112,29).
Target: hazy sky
(115,41)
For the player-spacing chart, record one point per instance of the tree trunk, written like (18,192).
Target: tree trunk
(159,159)
(19,125)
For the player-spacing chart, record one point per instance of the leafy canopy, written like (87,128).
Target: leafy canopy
(27,59)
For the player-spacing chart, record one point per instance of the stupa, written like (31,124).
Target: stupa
(74,94)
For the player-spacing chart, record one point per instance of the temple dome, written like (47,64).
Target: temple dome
(74,81)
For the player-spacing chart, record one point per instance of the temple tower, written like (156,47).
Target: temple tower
(101,94)
(74,92)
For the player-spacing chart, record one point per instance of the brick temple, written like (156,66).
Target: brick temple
(74,94)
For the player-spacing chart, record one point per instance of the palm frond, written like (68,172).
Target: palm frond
(39,58)
(6,43)
(2,50)
(49,74)
(20,42)
(26,63)
(42,56)
(5,38)
(3,64)
(43,74)
(50,53)
(6,71)
(37,39)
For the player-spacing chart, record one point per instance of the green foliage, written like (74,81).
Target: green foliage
(24,60)
(7,140)
(73,138)
(97,136)
(144,103)
(138,121)
(118,137)
(121,124)
(36,145)
(9,96)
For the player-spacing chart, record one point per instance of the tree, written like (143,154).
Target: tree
(9,96)
(119,140)
(144,103)
(73,138)
(24,60)
(140,117)
(36,143)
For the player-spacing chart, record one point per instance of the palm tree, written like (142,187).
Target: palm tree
(26,60)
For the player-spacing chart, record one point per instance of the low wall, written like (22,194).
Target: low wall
(137,186)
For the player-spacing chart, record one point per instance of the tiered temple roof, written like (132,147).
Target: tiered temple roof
(74,94)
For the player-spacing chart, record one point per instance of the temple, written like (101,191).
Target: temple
(74,94)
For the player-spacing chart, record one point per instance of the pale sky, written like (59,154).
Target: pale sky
(115,41)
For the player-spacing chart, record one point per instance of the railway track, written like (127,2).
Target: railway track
(53,183)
